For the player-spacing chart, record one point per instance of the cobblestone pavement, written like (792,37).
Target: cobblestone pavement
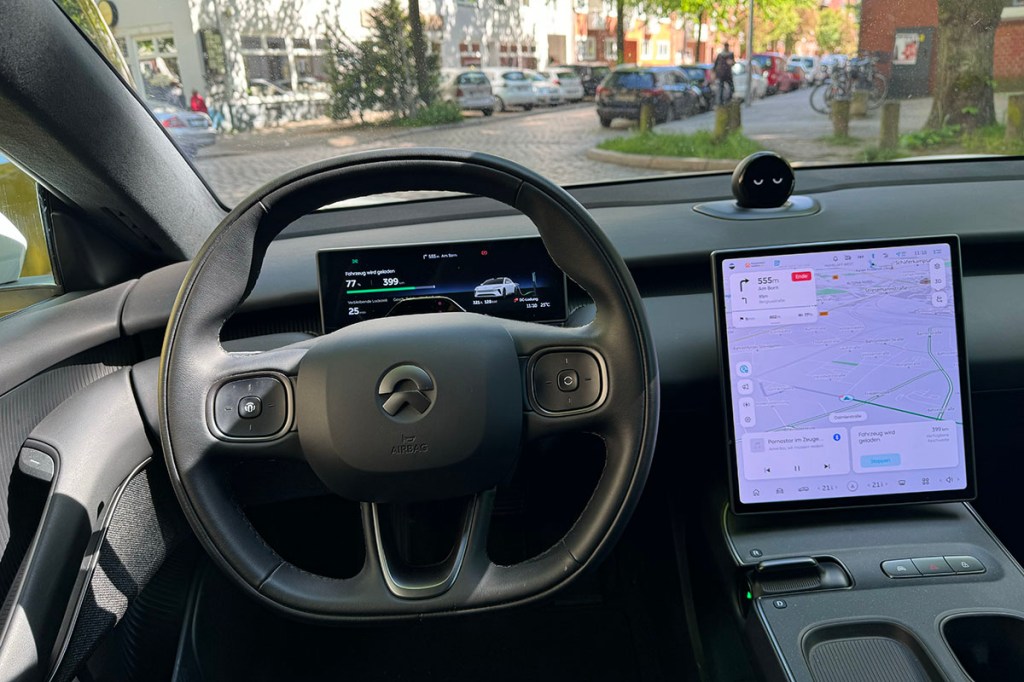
(551,142)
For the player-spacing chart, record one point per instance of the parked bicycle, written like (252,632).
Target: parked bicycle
(865,76)
(835,85)
(859,74)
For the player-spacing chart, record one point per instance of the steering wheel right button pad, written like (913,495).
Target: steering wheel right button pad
(566,381)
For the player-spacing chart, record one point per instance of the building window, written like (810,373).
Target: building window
(586,49)
(663,49)
(310,65)
(528,56)
(158,64)
(469,55)
(266,65)
(611,49)
(645,49)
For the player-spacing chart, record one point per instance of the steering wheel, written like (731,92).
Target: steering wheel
(401,409)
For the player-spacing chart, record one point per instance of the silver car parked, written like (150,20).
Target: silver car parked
(469,88)
(568,81)
(512,88)
(192,130)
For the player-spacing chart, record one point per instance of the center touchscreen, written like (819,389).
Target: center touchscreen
(845,374)
(509,278)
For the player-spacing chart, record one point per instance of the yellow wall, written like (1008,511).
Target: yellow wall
(664,35)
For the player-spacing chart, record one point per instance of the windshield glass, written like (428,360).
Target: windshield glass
(250,89)
(630,81)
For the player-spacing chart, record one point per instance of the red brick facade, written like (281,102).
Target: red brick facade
(881,18)
(1009,62)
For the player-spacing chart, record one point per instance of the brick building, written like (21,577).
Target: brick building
(1009,61)
(908,32)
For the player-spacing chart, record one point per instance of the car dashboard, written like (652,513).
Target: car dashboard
(754,563)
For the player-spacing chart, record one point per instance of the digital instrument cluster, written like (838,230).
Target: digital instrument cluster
(508,278)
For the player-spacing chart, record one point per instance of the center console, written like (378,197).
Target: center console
(855,552)
(931,594)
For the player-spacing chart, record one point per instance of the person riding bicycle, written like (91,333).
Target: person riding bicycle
(723,72)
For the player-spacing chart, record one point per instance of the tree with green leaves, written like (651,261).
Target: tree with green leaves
(783,20)
(837,31)
(966,50)
(701,11)
(378,73)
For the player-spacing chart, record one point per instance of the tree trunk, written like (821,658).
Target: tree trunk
(620,30)
(963,75)
(419,53)
(700,34)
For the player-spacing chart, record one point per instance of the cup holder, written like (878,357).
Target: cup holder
(867,650)
(989,646)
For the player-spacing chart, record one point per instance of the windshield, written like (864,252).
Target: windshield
(250,89)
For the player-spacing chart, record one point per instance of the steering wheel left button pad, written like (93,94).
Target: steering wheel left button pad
(254,407)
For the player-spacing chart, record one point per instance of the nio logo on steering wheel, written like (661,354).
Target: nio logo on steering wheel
(407,392)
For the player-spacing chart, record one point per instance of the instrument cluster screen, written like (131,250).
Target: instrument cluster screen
(508,278)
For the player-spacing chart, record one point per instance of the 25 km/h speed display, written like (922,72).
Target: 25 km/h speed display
(510,278)
(845,374)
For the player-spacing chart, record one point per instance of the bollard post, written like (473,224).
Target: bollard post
(859,104)
(1015,119)
(721,121)
(735,116)
(841,117)
(890,133)
(645,116)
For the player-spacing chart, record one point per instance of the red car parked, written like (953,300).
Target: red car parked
(796,78)
(773,65)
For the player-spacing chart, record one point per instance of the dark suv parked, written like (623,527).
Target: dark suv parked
(626,88)
(591,74)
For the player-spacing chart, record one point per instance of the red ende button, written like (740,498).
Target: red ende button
(803,276)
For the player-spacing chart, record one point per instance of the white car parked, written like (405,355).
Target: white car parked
(568,81)
(739,80)
(811,65)
(512,88)
(546,92)
(469,88)
(496,287)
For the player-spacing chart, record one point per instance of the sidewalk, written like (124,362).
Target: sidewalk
(340,135)
(786,124)
(292,134)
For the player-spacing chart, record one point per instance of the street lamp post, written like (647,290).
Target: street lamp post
(750,55)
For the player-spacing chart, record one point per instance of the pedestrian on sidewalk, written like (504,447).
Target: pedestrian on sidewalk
(198,103)
(723,72)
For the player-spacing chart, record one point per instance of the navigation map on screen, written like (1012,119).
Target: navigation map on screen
(844,373)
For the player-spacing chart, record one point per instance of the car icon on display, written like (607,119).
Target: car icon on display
(496,287)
